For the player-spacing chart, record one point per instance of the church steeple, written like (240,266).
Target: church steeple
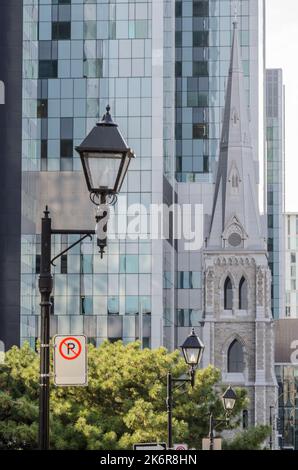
(235,205)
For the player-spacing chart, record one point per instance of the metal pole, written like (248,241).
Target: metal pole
(271,430)
(169,409)
(102,224)
(211,433)
(45,288)
(141,324)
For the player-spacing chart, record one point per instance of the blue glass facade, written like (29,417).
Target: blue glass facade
(275,173)
(203,44)
(80,55)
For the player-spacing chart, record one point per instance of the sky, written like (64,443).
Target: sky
(282,52)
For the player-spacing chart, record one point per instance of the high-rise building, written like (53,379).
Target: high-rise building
(80,56)
(163,68)
(290,262)
(10,175)
(275,185)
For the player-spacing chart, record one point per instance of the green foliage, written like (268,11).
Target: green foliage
(252,439)
(124,402)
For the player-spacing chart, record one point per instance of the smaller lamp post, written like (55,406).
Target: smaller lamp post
(229,399)
(105,158)
(192,349)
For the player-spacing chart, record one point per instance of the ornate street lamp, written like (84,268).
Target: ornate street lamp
(192,349)
(105,158)
(229,399)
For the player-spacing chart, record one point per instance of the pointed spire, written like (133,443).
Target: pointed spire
(235,196)
(235,64)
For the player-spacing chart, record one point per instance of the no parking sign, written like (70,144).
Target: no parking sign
(70,360)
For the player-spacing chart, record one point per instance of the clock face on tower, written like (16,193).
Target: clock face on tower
(234,239)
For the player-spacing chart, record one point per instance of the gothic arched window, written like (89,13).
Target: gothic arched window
(243,294)
(235,357)
(228,294)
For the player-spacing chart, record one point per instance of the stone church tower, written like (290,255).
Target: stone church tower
(238,330)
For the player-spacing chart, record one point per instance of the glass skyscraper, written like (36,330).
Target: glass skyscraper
(162,66)
(275,185)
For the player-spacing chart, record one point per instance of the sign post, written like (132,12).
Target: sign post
(70,360)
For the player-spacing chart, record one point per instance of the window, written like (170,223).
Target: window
(138,29)
(200,68)
(37,264)
(200,38)
(48,69)
(42,108)
(44,149)
(131,305)
(293,257)
(235,357)
(188,317)
(243,294)
(201,8)
(178,38)
(86,264)
(93,68)
(200,131)
(270,221)
(178,9)
(178,68)
(270,244)
(113,305)
(245,419)
(195,280)
(66,148)
(61,30)
(269,133)
(145,305)
(270,198)
(183,280)
(188,280)
(86,305)
(228,294)
(129,264)
(205,164)
(64,264)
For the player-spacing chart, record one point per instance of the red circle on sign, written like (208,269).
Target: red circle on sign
(75,354)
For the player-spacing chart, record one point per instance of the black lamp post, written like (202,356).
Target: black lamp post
(192,349)
(228,399)
(105,158)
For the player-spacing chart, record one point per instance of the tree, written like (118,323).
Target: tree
(123,403)
(252,439)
